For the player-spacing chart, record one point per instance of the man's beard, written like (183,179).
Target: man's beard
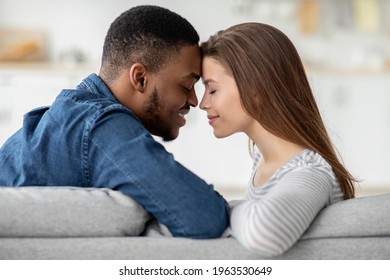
(155,123)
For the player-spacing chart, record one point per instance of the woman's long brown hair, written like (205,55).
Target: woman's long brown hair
(274,89)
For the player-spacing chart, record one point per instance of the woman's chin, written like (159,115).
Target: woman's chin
(220,135)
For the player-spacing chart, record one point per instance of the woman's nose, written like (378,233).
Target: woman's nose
(204,102)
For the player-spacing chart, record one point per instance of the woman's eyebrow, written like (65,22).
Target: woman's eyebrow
(207,81)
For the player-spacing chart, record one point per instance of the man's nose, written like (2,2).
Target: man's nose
(193,99)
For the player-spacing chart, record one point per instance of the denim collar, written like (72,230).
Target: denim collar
(93,83)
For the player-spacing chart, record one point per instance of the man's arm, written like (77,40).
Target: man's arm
(122,155)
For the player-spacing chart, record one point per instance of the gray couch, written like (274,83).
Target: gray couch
(90,223)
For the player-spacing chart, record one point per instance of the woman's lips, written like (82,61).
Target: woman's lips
(212,119)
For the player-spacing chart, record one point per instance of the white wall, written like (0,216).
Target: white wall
(83,24)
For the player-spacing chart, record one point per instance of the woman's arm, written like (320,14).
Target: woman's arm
(271,225)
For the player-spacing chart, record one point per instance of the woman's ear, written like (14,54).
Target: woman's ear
(138,75)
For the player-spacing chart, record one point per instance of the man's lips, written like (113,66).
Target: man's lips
(183,112)
(182,115)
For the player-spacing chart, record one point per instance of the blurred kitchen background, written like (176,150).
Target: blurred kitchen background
(47,45)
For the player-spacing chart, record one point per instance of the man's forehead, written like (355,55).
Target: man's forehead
(192,76)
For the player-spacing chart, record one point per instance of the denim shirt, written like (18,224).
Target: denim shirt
(86,138)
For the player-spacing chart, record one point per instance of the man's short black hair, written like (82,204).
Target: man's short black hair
(146,34)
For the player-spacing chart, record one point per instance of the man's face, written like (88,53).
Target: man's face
(172,94)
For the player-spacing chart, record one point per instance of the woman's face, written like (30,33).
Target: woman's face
(221,101)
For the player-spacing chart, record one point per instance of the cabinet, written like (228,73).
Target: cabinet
(355,109)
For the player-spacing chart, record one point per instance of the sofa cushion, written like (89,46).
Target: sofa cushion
(68,212)
(358,217)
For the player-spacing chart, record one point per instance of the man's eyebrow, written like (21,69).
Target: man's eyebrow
(192,75)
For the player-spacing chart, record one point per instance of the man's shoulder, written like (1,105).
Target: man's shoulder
(81,100)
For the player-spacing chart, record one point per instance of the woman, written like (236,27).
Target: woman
(255,83)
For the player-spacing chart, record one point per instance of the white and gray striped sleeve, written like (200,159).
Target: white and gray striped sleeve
(272,224)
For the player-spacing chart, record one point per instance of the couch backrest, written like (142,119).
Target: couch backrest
(357,217)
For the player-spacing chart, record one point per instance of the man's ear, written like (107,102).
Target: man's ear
(138,74)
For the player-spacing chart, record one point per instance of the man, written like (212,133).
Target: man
(99,135)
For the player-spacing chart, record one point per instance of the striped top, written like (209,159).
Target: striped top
(276,214)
